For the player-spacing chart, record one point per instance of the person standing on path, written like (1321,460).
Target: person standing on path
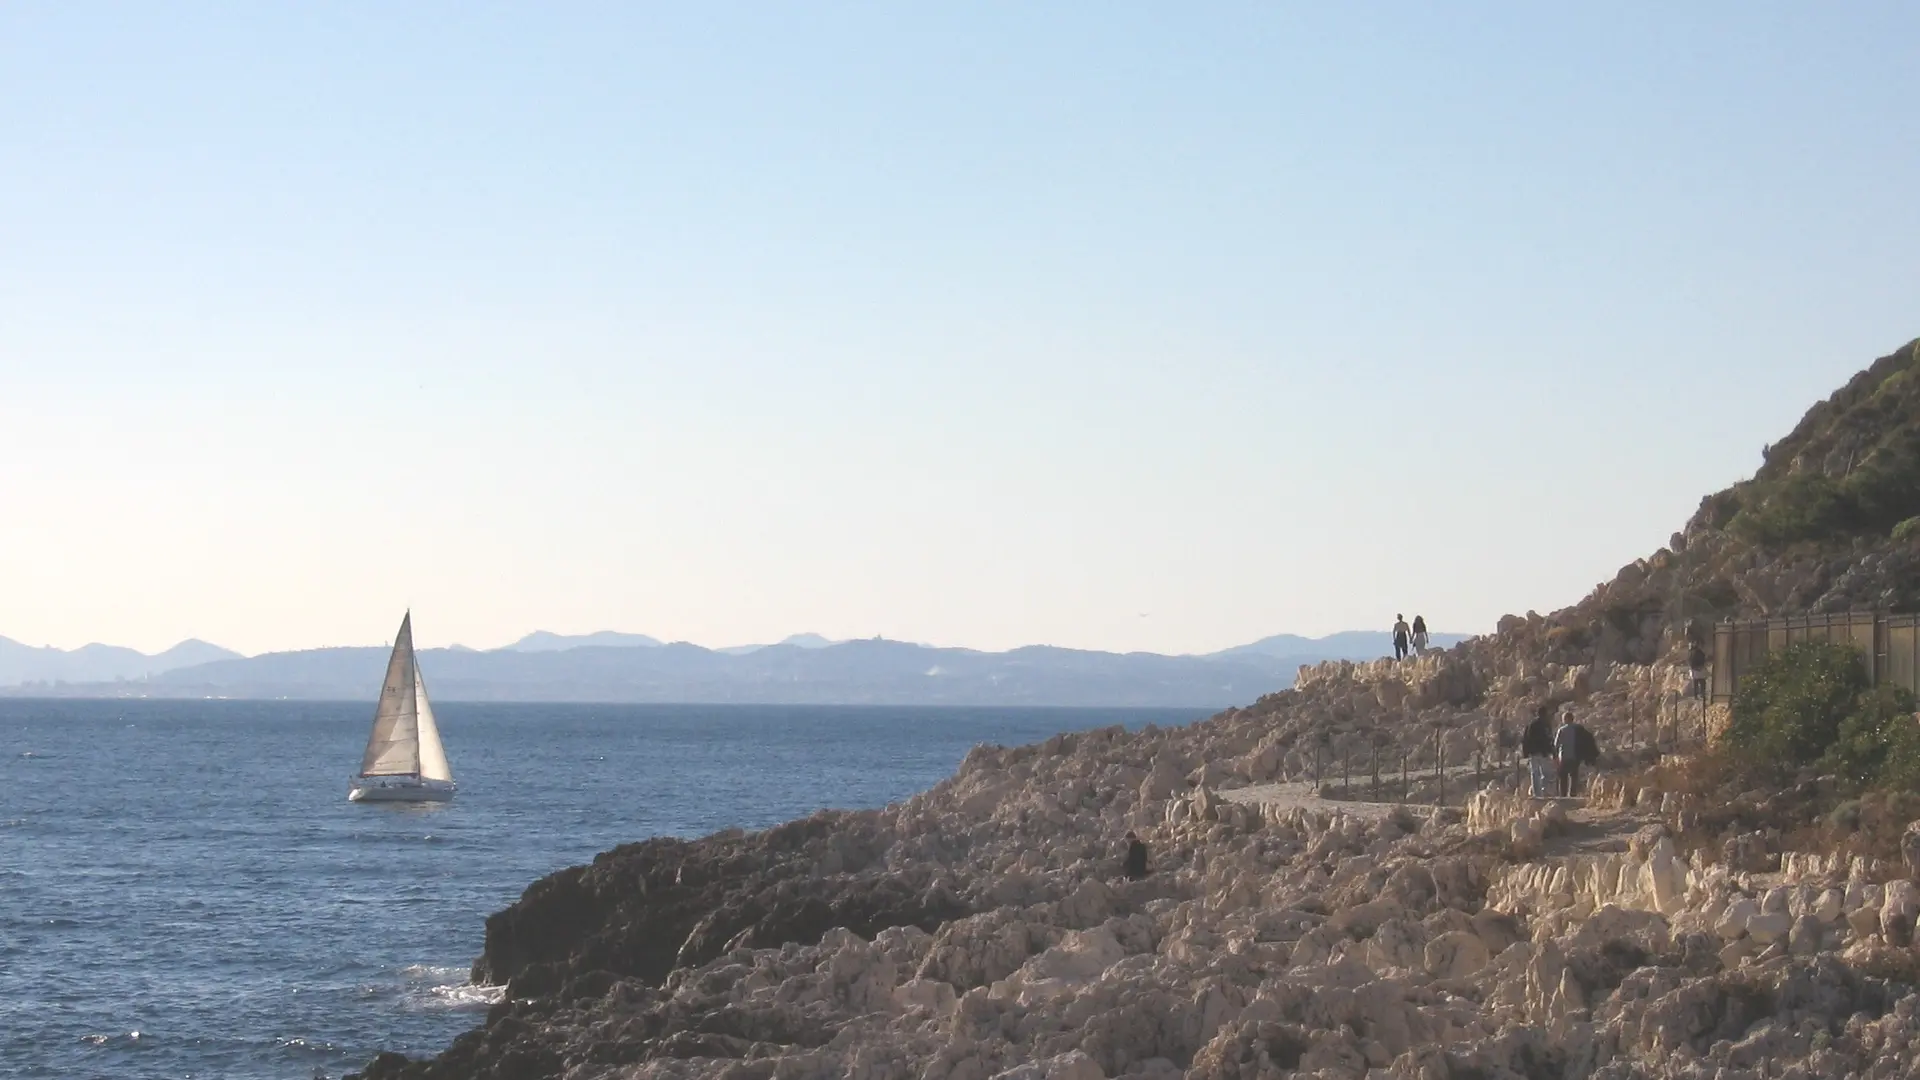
(1420,635)
(1536,745)
(1401,633)
(1566,749)
(1697,671)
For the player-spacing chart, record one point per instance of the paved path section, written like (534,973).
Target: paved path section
(1290,794)
(1586,832)
(1299,794)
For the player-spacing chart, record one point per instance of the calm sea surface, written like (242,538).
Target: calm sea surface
(185,891)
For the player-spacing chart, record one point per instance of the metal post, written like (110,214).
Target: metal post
(1403,776)
(1439,771)
(1375,796)
(1346,771)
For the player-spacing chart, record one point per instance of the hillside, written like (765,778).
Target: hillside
(1830,522)
(982,929)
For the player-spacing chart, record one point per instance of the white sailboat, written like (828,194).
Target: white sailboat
(404,761)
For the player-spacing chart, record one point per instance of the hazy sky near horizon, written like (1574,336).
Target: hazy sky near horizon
(1125,326)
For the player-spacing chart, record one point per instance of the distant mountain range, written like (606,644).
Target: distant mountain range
(543,641)
(615,667)
(98,663)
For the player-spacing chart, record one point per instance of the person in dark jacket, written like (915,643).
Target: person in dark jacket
(1697,671)
(1136,867)
(1402,633)
(1573,746)
(1536,745)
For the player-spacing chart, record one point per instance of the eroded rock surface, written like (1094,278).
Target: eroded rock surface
(981,931)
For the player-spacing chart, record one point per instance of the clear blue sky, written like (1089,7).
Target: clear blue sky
(1107,325)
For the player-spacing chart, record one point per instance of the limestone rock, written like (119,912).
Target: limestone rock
(1733,922)
(1456,955)
(981,929)
(1767,927)
(1897,912)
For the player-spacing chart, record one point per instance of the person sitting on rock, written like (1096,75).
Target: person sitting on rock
(1401,632)
(1536,745)
(1420,635)
(1136,866)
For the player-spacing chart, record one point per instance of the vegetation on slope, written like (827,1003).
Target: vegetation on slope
(1814,759)
(1812,705)
(1850,469)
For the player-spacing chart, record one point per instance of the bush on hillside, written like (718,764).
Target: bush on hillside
(1878,744)
(1884,489)
(1907,529)
(1789,710)
(1804,506)
(1811,704)
(1850,468)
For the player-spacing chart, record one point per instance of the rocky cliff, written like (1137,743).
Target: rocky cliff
(980,930)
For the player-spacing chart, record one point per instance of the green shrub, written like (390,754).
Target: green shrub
(1567,637)
(1811,703)
(1884,489)
(1789,710)
(1803,506)
(1878,744)
(1907,529)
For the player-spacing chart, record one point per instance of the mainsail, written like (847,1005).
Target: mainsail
(401,722)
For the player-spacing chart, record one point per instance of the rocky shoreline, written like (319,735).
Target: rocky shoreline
(981,930)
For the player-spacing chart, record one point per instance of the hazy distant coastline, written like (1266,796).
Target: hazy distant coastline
(634,668)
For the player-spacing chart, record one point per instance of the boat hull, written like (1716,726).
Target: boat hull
(399,789)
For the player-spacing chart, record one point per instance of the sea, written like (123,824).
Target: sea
(185,891)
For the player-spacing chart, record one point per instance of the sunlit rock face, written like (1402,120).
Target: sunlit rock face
(983,930)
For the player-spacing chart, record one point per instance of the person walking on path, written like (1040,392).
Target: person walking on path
(1573,746)
(1420,635)
(1401,633)
(1136,865)
(1536,745)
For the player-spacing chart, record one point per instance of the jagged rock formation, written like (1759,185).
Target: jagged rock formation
(981,930)
(1268,941)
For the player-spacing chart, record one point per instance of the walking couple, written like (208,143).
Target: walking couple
(1409,638)
(1556,755)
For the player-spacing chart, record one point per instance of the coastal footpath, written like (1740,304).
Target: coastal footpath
(981,930)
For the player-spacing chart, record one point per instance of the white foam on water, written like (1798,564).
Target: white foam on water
(442,987)
(102,1040)
(466,996)
(433,972)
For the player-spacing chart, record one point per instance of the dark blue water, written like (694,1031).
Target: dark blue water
(186,892)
